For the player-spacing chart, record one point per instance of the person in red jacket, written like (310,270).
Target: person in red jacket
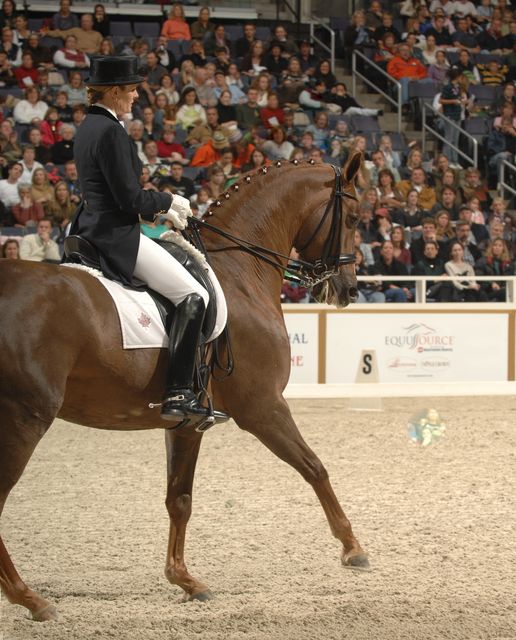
(26,75)
(170,150)
(272,115)
(404,68)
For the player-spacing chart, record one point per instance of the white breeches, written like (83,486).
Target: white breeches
(164,274)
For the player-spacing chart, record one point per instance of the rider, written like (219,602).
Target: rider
(113,201)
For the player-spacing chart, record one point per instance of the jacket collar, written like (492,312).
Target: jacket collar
(100,111)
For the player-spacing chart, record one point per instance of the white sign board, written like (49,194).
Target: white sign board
(414,347)
(303,333)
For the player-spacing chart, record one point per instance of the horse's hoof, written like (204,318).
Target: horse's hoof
(202,596)
(358,562)
(46,614)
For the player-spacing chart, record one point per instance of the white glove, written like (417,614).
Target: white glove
(179,212)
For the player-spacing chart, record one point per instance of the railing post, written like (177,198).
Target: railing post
(423,129)
(502,181)
(353,74)
(420,291)
(399,107)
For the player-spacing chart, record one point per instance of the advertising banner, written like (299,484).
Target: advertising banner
(412,347)
(303,331)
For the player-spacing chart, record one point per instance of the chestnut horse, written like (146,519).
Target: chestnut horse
(60,342)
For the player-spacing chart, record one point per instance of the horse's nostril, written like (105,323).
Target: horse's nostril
(353,292)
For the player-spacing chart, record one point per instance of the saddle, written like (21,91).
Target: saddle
(78,250)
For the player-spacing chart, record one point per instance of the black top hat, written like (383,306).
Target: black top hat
(114,70)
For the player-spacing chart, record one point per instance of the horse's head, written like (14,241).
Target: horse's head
(327,236)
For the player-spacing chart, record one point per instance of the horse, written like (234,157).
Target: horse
(62,355)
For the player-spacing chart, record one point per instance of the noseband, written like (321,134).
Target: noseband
(307,274)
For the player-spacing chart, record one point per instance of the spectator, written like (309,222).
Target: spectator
(307,60)
(9,187)
(392,158)
(410,215)
(493,73)
(203,86)
(88,40)
(21,30)
(62,151)
(441,33)
(203,26)
(427,197)
(388,195)
(463,39)
(443,227)
(294,75)
(151,128)
(100,20)
(278,147)
(405,68)
(387,26)
(447,203)
(26,75)
(429,232)
(356,34)
(386,50)
(465,290)
(313,98)
(243,45)
(168,88)
(69,56)
(179,183)
(75,89)
(210,152)
(466,65)
(27,212)
(350,107)
(257,160)
(324,74)
(78,114)
(367,291)
(431,265)
(275,61)
(414,161)
(42,153)
(320,131)
(30,110)
(196,53)
(7,77)
(165,57)
(190,111)
(8,14)
(106,47)
(373,15)
(152,161)
(64,19)
(253,63)
(367,226)
(11,250)
(401,250)
(41,191)
(217,40)
(227,110)
(272,115)
(8,46)
(471,253)
(164,113)
(29,163)
(60,209)
(168,149)
(248,113)
(39,246)
(439,70)
(176,27)
(387,265)
(64,110)
(216,181)
(72,181)
(501,142)
(440,165)
(474,187)
(495,262)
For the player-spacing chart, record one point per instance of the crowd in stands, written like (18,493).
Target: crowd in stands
(212,107)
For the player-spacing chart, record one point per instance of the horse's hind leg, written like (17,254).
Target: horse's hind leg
(278,431)
(182,452)
(19,435)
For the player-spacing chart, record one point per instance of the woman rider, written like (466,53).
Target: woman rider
(113,201)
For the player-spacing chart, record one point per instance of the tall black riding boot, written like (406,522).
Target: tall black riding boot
(180,401)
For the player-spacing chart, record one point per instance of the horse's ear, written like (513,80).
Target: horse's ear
(352,167)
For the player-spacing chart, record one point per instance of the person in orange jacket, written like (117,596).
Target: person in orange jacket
(211,151)
(404,68)
(176,27)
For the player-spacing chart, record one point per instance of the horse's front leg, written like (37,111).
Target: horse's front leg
(272,423)
(182,452)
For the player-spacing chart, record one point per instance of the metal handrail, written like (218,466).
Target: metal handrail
(426,127)
(356,74)
(503,185)
(420,281)
(313,38)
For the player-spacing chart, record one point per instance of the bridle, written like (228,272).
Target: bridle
(307,274)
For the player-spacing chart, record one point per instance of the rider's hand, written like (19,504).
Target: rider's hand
(179,211)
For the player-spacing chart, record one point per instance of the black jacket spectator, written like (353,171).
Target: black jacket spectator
(417,249)
(62,151)
(396,268)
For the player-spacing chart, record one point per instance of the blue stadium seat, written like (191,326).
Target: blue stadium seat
(181,135)
(121,28)
(365,124)
(35,24)
(263,33)
(176,48)
(146,29)
(51,43)
(484,94)
(423,90)
(234,31)
(192,172)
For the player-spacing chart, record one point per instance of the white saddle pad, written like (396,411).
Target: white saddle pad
(140,321)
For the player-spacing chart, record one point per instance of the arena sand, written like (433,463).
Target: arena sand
(87,527)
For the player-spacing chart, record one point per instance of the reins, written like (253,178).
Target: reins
(307,274)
